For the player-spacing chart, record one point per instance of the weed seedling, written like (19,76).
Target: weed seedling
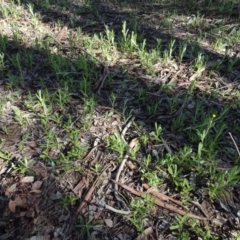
(5,155)
(157,133)
(2,61)
(86,227)
(68,200)
(220,181)
(140,210)
(116,143)
(23,166)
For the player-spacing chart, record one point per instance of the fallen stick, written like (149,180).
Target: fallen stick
(162,196)
(159,202)
(90,192)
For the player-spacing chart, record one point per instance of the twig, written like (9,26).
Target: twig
(126,128)
(130,146)
(89,193)
(235,144)
(159,202)
(162,196)
(117,210)
(201,208)
(98,156)
(89,154)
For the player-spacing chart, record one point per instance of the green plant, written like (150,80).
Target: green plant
(157,133)
(64,162)
(5,155)
(219,45)
(3,43)
(142,95)
(23,166)
(34,17)
(112,99)
(10,10)
(152,178)
(140,209)
(126,113)
(181,184)
(68,200)
(179,226)
(116,143)
(2,65)
(152,108)
(110,36)
(147,160)
(62,97)
(88,108)
(16,61)
(196,20)
(220,181)
(128,41)
(178,123)
(149,58)
(195,226)
(133,151)
(231,63)
(43,99)
(21,117)
(167,54)
(24,139)
(208,143)
(85,227)
(182,51)
(97,168)
(185,228)
(199,64)
(17,36)
(144,139)
(124,32)
(203,134)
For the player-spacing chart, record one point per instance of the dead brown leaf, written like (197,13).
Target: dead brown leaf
(19,201)
(27,179)
(37,185)
(10,190)
(12,206)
